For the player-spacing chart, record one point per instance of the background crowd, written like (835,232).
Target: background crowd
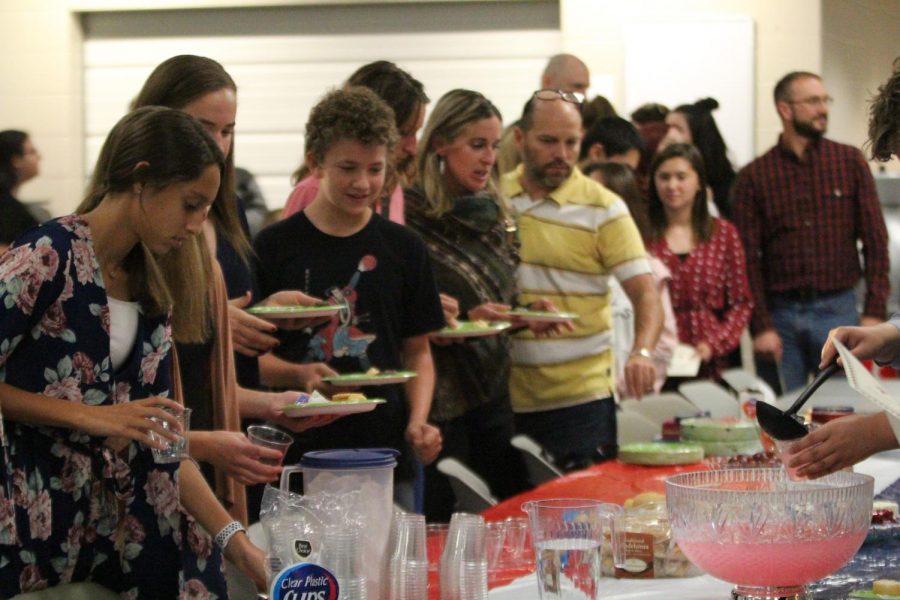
(134,307)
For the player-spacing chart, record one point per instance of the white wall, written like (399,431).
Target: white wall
(40,40)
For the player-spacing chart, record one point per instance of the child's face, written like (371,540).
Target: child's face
(352,175)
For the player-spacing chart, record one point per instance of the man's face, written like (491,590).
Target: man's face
(550,148)
(808,107)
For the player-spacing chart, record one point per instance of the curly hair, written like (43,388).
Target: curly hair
(352,113)
(884,118)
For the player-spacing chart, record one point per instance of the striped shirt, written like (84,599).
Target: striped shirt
(800,220)
(571,242)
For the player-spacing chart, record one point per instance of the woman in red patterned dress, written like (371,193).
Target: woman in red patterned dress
(710,293)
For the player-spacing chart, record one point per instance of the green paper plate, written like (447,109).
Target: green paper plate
(295,312)
(348,407)
(542,316)
(466,329)
(360,379)
(660,453)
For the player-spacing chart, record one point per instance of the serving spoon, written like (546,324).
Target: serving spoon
(784,425)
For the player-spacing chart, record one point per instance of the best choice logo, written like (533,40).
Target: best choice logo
(306,581)
(302,548)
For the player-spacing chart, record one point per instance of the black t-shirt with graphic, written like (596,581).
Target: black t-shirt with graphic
(383,276)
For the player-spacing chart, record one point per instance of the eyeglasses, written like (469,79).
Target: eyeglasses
(573,97)
(814,101)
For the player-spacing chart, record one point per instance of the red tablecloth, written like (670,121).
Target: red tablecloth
(611,481)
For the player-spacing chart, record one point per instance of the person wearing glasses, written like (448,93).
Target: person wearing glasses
(574,234)
(801,208)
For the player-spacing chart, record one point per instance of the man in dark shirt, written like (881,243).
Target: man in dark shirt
(801,208)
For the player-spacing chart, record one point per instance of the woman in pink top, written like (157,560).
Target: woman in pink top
(709,288)
(406,96)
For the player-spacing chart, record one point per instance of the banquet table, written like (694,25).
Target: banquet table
(615,482)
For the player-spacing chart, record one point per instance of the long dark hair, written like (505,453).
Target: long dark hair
(176,83)
(708,140)
(12,144)
(620,179)
(172,147)
(701,222)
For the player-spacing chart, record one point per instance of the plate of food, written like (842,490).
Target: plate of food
(371,377)
(660,453)
(340,404)
(295,312)
(465,329)
(541,316)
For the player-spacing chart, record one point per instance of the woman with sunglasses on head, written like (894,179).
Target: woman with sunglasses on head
(19,162)
(709,287)
(218,384)
(456,208)
(86,362)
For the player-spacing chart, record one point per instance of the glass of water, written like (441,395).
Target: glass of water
(177,450)
(567,534)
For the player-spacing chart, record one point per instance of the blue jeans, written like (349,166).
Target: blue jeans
(804,326)
(575,437)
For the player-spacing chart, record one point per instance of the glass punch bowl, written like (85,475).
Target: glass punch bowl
(768,535)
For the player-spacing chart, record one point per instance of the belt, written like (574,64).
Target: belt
(807,294)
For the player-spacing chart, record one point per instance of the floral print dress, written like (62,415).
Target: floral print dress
(72,509)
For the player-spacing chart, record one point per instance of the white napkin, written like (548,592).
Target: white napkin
(864,383)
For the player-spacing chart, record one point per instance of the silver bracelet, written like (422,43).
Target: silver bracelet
(224,536)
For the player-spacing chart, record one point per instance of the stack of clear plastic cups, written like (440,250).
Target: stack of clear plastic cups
(463,562)
(407,564)
(342,554)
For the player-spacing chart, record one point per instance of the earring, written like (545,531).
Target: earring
(441,164)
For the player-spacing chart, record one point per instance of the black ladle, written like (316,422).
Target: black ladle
(784,425)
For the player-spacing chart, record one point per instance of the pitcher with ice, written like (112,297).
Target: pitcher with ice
(567,534)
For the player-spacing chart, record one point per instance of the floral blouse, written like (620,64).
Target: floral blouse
(710,293)
(72,509)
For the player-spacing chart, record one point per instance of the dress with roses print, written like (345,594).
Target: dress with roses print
(71,508)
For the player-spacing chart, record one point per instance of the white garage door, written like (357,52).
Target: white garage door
(283,60)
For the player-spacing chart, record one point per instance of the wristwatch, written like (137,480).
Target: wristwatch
(641,352)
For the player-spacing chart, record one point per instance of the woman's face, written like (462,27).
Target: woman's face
(171,214)
(471,156)
(677,184)
(679,131)
(27,165)
(405,150)
(216,111)
(352,175)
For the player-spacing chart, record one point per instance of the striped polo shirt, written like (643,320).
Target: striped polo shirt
(571,242)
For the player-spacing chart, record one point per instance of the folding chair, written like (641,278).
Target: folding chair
(712,397)
(659,408)
(739,380)
(472,493)
(539,468)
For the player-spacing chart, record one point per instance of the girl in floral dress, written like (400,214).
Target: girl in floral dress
(85,361)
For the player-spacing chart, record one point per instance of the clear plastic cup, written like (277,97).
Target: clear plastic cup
(517,550)
(495,540)
(342,554)
(407,568)
(272,438)
(174,451)
(463,562)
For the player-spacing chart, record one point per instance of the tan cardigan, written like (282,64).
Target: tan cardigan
(223,387)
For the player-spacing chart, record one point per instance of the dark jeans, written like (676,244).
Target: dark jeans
(576,437)
(804,326)
(480,440)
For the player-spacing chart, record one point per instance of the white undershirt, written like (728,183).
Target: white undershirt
(123,325)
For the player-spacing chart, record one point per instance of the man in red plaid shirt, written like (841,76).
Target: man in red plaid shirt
(801,208)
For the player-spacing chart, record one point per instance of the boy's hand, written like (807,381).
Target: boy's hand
(425,440)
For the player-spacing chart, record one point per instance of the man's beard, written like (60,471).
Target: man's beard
(807,129)
(539,174)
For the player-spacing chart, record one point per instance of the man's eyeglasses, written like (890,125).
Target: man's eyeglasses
(814,101)
(573,97)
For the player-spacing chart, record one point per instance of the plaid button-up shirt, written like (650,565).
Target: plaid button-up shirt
(800,220)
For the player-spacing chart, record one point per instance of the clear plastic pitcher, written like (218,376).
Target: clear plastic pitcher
(369,471)
(568,534)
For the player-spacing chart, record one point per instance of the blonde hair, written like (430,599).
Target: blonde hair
(156,147)
(456,109)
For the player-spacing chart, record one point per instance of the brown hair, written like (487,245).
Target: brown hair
(173,147)
(782,91)
(884,118)
(354,113)
(701,222)
(620,179)
(176,83)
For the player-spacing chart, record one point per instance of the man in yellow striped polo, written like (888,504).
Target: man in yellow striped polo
(574,235)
